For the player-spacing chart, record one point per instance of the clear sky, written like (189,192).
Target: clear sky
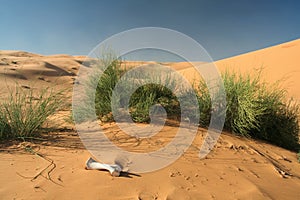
(223,27)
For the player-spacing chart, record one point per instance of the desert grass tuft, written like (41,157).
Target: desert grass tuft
(23,112)
(106,84)
(255,109)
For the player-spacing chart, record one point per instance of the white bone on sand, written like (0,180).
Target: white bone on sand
(114,170)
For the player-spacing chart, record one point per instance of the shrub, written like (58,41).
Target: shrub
(255,109)
(204,102)
(243,110)
(151,94)
(140,101)
(106,84)
(23,113)
(279,124)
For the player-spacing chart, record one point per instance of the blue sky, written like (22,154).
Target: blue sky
(223,27)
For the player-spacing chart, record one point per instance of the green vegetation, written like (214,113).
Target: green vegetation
(151,94)
(105,86)
(23,113)
(254,108)
(140,101)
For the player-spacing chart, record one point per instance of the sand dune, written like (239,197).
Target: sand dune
(237,168)
(15,65)
(280,62)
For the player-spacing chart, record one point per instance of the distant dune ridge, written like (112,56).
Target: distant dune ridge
(237,168)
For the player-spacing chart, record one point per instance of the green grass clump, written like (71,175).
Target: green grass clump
(152,94)
(140,101)
(243,107)
(23,113)
(108,80)
(279,123)
(255,109)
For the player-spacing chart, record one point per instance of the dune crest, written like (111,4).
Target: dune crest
(280,62)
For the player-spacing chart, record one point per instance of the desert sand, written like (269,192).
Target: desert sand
(54,167)
(278,63)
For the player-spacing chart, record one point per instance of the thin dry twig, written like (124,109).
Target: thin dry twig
(52,165)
